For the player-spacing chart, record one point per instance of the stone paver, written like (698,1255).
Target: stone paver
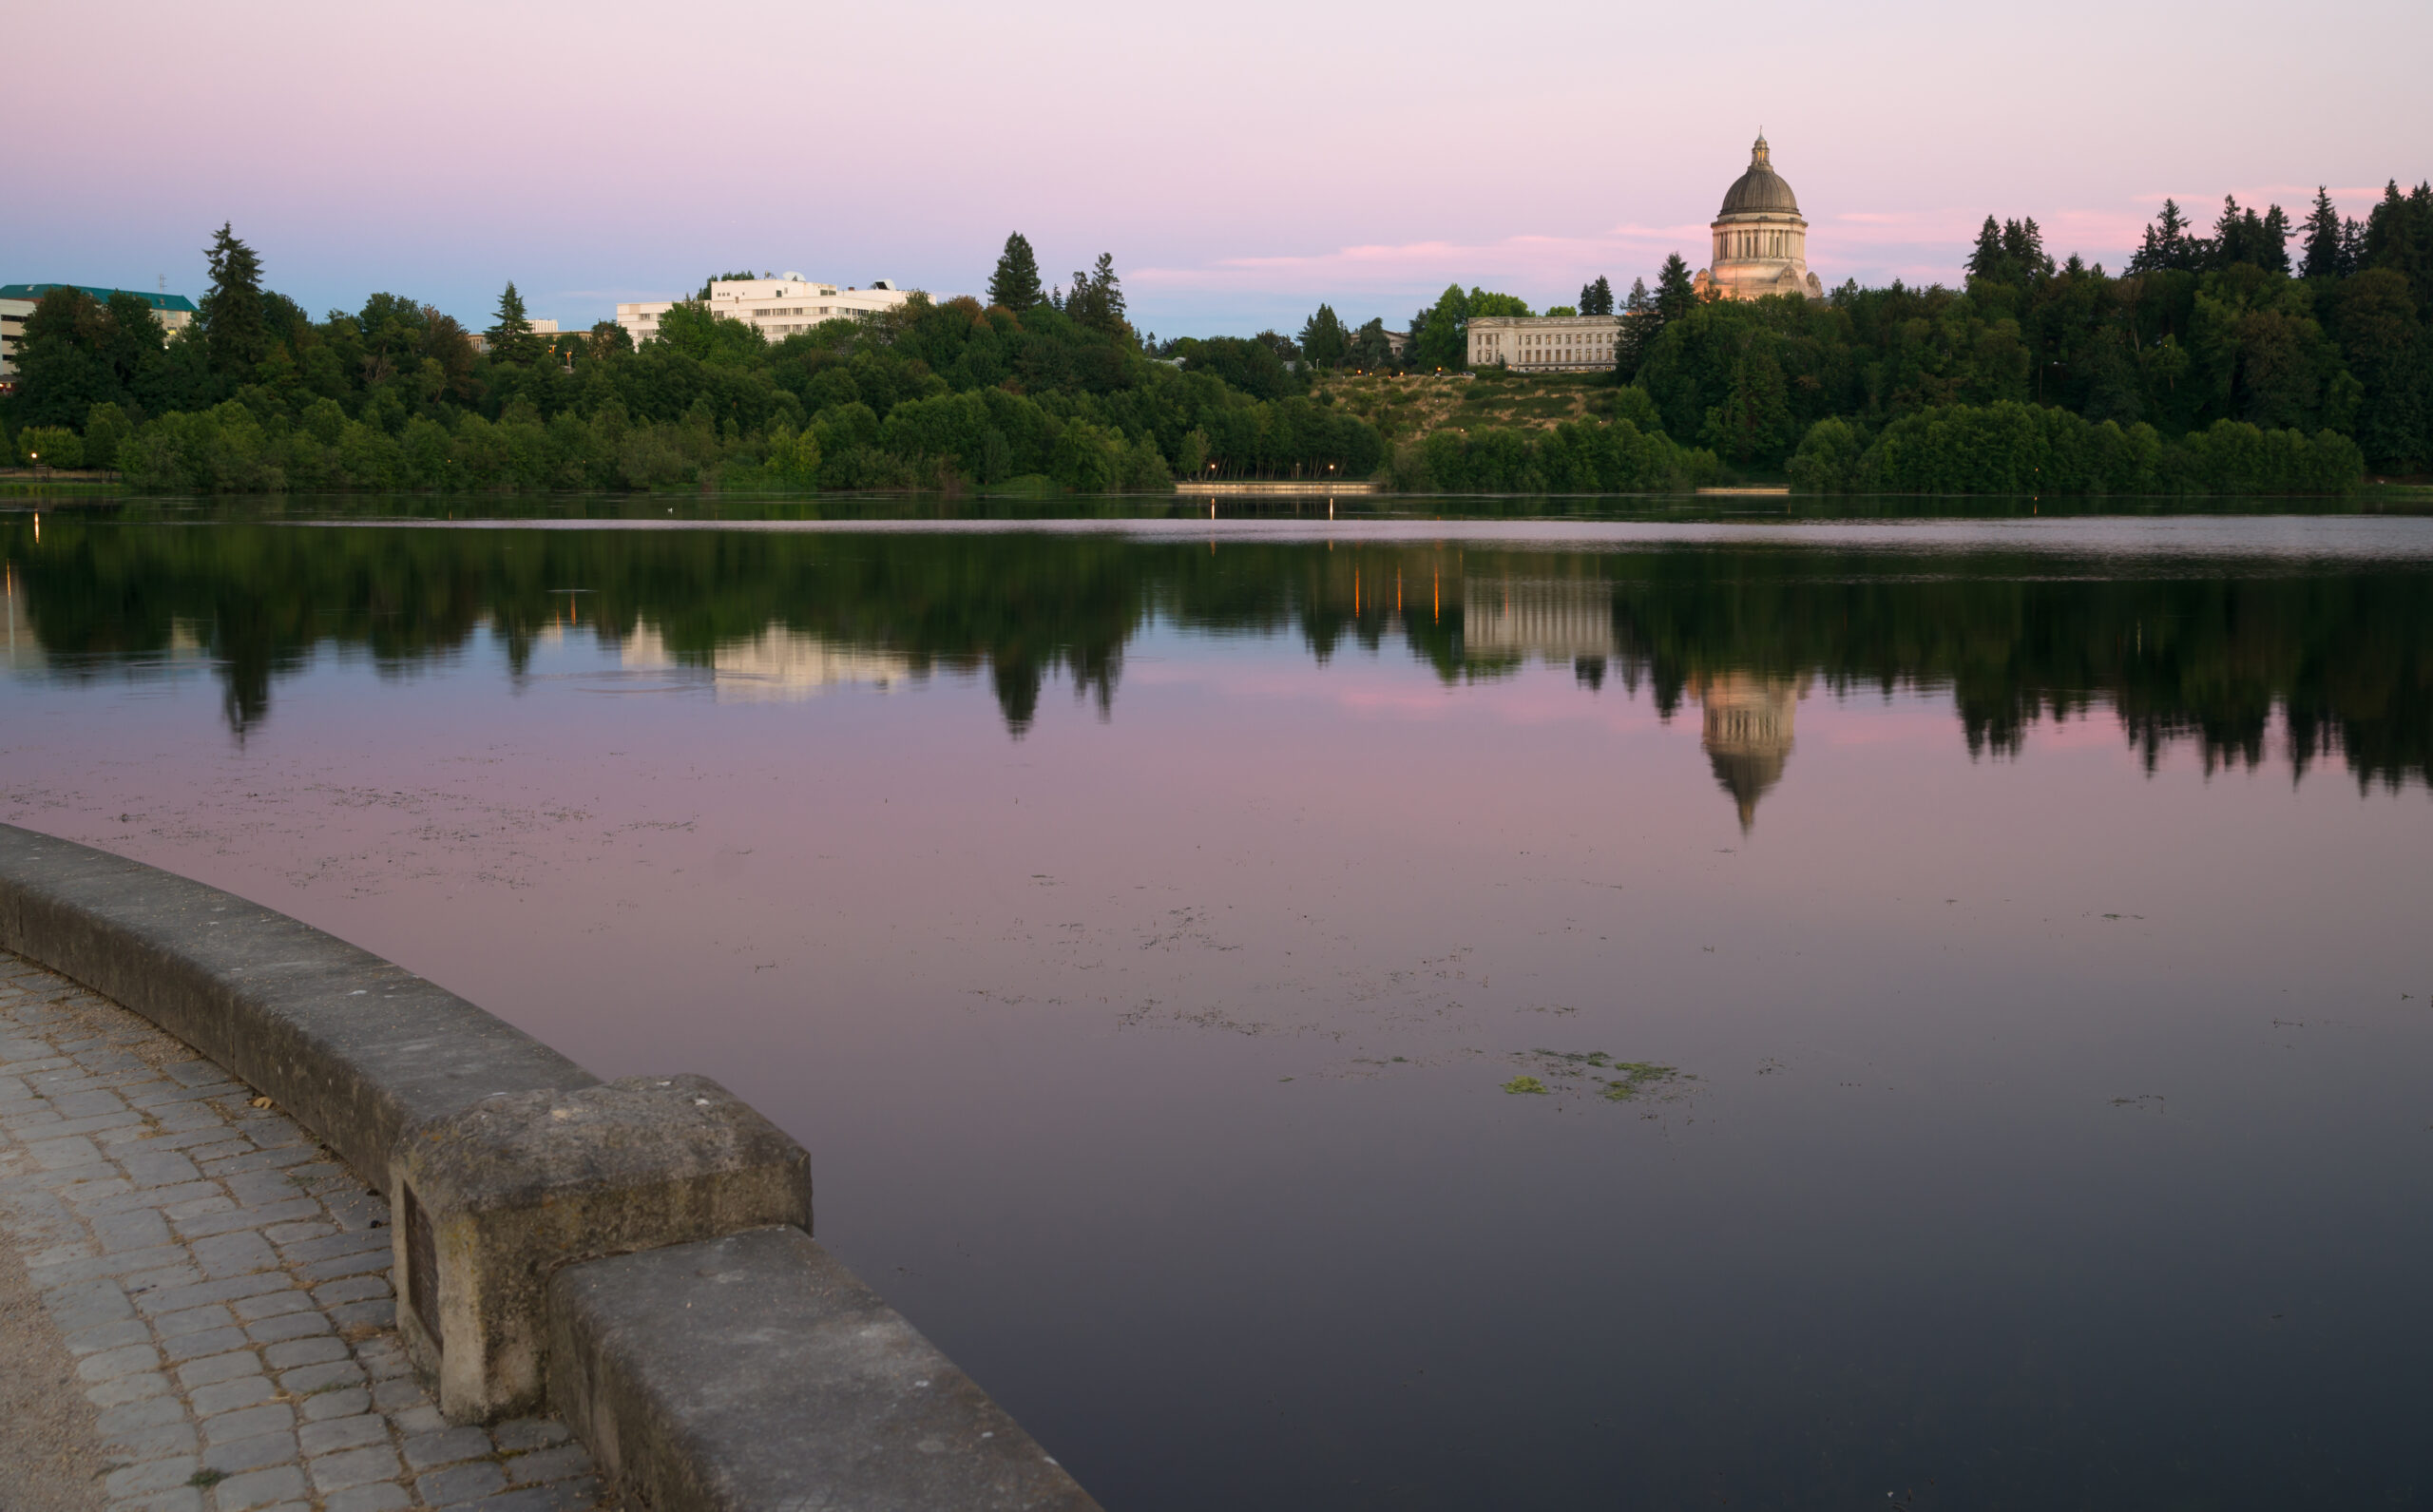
(222,1283)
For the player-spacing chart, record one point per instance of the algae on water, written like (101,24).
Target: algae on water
(1629,1080)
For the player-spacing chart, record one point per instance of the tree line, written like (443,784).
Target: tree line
(2210,363)
(1043,385)
(2220,362)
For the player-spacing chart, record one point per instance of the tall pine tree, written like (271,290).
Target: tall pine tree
(511,338)
(2168,245)
(1597,297)
(1325,341)
(1640,322)
(1015,284)
(2322,256)
(1675,292)
(1985,262)
(1097,298)
(235,333)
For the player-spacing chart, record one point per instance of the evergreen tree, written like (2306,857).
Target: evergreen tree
(2322,257)
(1985,263)
(2168,246)
(1097,298)
(233,332)
(1015,284)
(511,338)
(2273,251)
(2399,235)
(2352,246)
(2023,253)
(1597,297)
(1676,290)
(1324,340)
(1640,323)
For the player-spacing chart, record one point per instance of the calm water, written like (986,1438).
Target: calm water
(1978,969)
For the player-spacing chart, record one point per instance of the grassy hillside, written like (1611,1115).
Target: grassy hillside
(1409,408)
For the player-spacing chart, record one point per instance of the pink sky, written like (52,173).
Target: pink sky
(1242,162)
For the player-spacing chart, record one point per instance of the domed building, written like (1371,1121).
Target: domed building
(1760,239)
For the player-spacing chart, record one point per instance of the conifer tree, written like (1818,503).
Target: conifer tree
(1323,339)
(2168,245)
(1986,261)
(2273,251)
(1097,298)
(1597,297)
(511,338)
(2322,257)
(2024,254)
(235,333)
(1015,284)
(1640,322)
(1675,292)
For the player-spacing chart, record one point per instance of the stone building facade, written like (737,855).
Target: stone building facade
(1562,343)
(1760,243)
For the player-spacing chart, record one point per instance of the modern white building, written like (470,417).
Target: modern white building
(779,304)
(1560,343)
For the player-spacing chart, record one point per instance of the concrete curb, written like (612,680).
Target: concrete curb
(354,1047)
(818,1395)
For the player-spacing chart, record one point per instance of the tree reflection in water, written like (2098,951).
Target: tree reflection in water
(2339,655)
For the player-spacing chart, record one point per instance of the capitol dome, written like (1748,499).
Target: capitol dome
(1760,245)
(1760,189)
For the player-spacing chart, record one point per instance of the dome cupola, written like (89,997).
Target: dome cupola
(1761,190)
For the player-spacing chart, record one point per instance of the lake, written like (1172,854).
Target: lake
(1396,1012)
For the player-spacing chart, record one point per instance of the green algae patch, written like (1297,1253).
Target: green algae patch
(1637,1077)
(1597,1072)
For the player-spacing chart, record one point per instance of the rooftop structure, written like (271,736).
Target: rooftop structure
(777,305)
(1760,238)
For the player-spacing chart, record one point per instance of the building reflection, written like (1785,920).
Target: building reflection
(21,644)
(778,665)
(1745,731)
(1559,620)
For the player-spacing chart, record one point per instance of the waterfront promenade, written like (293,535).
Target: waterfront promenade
(213,1295)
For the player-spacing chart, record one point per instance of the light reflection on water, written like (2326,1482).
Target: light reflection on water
(2017,930)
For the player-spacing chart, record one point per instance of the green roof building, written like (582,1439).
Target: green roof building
(18,300)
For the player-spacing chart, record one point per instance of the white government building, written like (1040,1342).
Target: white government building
(1761,247)
(779,304)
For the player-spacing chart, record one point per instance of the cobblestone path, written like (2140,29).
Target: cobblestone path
(222,1283)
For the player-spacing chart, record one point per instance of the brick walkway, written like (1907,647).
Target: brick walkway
(222,1283)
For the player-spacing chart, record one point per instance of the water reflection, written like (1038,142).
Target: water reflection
(2248,659)
(1745,731)
(778,665)
(2011,1125)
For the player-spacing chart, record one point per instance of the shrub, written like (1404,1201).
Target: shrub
(51,446)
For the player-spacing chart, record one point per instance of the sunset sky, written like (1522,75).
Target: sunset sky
(1242,162)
